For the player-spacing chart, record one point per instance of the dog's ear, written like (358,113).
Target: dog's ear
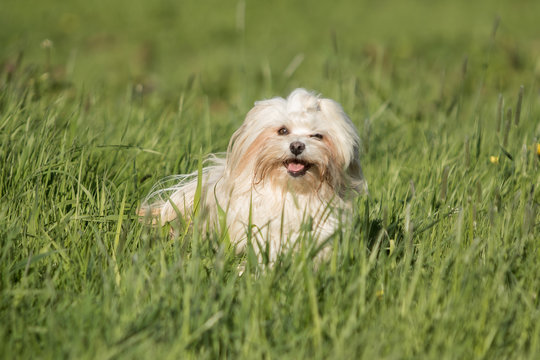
(350,144)
(342,127)
(262,116)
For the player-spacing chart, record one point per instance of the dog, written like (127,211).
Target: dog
(293,161)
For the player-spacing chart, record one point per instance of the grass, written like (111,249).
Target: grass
(442,260)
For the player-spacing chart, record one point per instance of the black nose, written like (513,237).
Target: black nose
(297,147)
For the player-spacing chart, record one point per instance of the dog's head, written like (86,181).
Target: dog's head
(304,142)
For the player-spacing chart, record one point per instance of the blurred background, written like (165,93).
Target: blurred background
(237,51)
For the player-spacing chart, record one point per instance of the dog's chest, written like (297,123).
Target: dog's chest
(280,215)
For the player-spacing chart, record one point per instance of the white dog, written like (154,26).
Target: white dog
(293,161)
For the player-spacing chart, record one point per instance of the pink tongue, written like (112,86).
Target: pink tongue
(295,167)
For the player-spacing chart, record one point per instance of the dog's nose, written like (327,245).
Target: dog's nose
(297,147)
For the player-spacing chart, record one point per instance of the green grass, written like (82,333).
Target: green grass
(442,260)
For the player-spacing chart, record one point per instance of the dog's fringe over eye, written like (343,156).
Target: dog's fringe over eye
(318,136)
(283,131)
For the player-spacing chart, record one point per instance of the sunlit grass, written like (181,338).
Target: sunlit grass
(442,259)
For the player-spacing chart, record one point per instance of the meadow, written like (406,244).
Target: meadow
(100,100)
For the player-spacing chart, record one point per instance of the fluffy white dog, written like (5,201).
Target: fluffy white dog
(293,161)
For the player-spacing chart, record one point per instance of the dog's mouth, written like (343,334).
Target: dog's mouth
(296,167)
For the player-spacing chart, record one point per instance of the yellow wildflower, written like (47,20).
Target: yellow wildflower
(538,149)
(494,159)
(46,44)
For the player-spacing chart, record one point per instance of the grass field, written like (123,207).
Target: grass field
(99,100)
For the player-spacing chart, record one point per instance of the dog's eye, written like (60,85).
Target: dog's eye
(283,131)
(318,136)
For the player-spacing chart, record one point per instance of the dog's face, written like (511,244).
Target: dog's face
(301,143)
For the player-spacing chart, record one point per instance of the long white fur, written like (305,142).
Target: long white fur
(253,176)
